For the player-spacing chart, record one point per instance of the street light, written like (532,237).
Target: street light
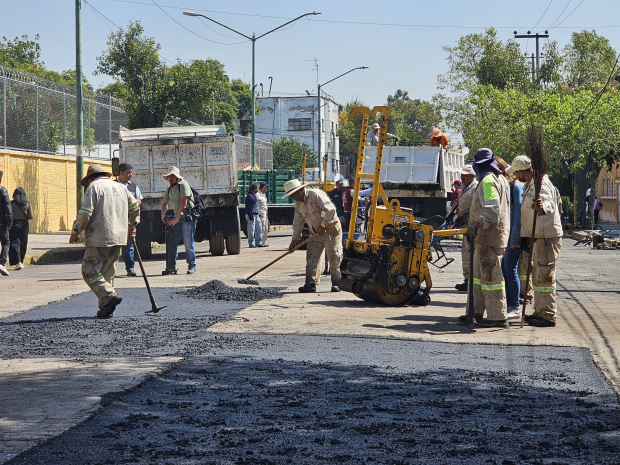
(319,112)
(254,38)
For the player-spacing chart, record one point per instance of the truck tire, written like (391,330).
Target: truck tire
(233,244)
(144,247)
(217,244)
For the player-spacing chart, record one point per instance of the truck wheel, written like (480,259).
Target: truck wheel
(217,244)
(144,247)
(233,244)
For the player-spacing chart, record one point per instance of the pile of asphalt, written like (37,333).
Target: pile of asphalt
(217,290)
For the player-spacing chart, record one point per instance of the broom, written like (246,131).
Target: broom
(535,149)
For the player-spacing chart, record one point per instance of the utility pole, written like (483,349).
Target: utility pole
(536,36)
(79,130)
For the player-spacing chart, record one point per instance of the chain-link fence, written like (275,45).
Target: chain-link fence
(264,152)
(38,115)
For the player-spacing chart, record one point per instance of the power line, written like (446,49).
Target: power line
(543,15)
(98,13)
(569,1)
(189,30)
(431,26)
(570,13)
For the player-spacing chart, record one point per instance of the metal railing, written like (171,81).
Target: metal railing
(39,115)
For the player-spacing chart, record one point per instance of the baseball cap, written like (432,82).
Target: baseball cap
(520,163)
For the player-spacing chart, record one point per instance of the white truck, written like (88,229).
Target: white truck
(206,157)
(419,177)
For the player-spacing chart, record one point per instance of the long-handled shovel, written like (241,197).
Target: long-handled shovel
(248,280)
(154,307)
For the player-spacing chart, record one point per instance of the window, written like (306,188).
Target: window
(299,124)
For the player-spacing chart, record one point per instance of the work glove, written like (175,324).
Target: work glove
(472,231)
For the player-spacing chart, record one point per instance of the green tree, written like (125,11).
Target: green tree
(588,59)
(483,59)
(243,95)
(133,59)
(288,154)
(419,118)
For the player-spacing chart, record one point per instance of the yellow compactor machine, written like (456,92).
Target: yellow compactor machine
(389,266)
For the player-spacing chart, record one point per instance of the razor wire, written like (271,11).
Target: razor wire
(38,115)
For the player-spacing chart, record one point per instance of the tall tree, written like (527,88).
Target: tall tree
(588,59)
(419,116)
(133,59)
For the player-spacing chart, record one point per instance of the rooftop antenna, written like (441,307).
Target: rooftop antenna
(270,83)
(316,68)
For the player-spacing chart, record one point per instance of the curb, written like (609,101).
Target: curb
(54,255)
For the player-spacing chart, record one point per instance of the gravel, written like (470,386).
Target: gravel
(328,400)
(217,290)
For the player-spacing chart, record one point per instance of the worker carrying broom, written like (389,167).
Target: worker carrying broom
(315,206)
(547,241)
(489,228)
(107,208)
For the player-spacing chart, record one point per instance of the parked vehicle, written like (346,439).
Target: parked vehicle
(419,177)
(206,158)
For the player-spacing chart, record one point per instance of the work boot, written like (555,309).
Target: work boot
(4,271)
(169,271)
(514,313)
(308,287)
(131,273)
(463,319)
(335,288)
(486,323)
(461,287)
(108,310)
(540,322)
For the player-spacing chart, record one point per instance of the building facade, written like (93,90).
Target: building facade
(297,116)
(608,194)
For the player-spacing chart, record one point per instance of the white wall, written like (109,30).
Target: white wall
(273,123)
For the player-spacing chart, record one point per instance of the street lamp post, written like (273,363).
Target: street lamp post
(319,114)
(254,38)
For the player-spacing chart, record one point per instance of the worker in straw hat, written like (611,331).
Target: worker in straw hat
(315,206)
(373,136)
(107,208)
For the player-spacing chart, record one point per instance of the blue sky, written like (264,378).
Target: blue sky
(399,54)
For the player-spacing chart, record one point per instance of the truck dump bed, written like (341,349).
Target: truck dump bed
(205,155)
(420,177)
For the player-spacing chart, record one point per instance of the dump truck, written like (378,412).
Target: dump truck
(206,158)
(419,177)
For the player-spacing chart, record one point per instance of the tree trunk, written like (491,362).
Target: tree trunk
(581,178)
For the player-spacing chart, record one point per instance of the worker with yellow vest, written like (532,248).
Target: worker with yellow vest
(489,228)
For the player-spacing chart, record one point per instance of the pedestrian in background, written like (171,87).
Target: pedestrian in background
(335,195)
(252,217)
(22,213)
(598,206)
(263,202)
(6,221)
(510,261)
(456,192)
(106,211)
(179,196)
(124,177)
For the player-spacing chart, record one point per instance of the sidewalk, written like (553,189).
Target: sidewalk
(52,247)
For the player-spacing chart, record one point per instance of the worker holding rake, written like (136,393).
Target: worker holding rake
(315,206)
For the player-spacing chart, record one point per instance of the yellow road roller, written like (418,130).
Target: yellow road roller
(390,265)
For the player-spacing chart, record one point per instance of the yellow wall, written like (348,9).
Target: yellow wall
(50,186)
